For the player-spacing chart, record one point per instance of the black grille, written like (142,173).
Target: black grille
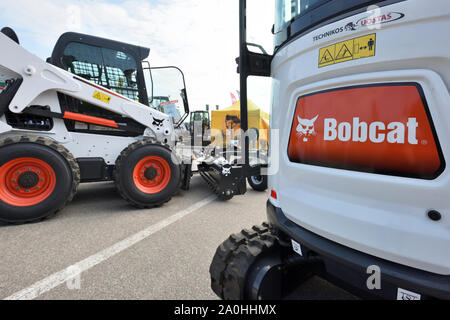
(29,122)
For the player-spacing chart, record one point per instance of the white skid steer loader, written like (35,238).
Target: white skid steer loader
(84,116)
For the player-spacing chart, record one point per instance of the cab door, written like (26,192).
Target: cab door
(167,91)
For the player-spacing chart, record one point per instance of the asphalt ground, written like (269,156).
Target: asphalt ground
(126,253)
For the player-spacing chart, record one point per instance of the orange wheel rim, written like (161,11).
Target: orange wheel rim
(152,174)
(26,182)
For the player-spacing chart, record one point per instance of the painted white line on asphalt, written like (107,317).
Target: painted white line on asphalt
(75,270)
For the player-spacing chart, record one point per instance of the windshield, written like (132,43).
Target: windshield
(167,91)
(286,10)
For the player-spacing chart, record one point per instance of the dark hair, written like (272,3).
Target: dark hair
(235,119)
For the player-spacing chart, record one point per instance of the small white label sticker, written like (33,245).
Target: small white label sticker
(297,247)
(407,295)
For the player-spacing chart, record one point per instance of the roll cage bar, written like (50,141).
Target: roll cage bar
(249,64)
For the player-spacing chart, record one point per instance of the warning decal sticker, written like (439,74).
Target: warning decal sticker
(358,48)
(102,97)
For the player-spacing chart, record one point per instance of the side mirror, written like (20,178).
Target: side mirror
(185,100)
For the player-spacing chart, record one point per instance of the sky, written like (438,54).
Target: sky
(199,36)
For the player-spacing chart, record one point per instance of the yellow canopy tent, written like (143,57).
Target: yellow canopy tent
(228,120)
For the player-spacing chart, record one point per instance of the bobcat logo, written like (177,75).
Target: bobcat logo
(350,27)
(226,171)
(158,122)
(305,128)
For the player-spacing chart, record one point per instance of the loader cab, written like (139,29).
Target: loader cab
(121,68)
(111,64)
(200,126)
(202,118)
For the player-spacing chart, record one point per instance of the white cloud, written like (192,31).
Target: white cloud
(199,36)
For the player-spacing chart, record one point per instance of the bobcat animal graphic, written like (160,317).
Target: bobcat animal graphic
(350,27)
(305,128)
(158,122)
(226,171)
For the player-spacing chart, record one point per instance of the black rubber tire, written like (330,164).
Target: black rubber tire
(234,258)
(123,174)
(185,182)
(258,183)
(61,161)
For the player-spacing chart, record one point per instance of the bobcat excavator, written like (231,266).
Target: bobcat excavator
(359,196)
(86,115)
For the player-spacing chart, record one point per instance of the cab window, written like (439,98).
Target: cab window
(109,68)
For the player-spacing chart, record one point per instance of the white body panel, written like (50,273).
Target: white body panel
(384,216)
